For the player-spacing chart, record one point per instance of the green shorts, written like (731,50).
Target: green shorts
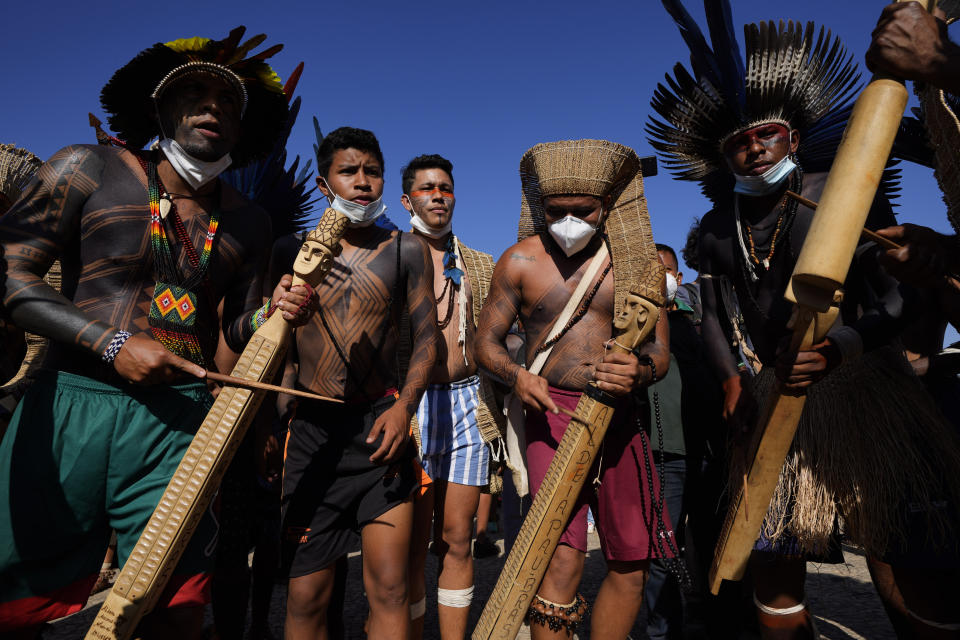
(82,458)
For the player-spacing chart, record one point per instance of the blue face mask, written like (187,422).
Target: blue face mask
(768,181)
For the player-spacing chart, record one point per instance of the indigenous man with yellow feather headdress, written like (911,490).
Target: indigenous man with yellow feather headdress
(578,196)
(147,257)
(871,451)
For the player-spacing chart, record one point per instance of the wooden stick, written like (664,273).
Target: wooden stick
(253,384)
(886,243)
(573,415)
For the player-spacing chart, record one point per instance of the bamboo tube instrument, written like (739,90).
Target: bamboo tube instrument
(552,506)
(817,277)
(197,478)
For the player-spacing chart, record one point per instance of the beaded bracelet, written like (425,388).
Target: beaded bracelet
(110,353)
(260,315)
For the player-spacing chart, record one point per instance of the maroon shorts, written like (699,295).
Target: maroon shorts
(623,507)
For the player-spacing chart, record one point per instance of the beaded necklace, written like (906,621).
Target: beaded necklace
(174,313)
(451,273)
(773,240)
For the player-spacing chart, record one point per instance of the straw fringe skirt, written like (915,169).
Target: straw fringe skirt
(871,447)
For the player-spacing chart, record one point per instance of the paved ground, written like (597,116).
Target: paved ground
(840,596)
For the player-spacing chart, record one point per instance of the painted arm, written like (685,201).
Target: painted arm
(34,233)
(394,424)
(498,314)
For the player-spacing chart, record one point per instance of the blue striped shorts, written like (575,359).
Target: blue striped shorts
(452,448)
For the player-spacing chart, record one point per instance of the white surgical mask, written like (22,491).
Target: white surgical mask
(571,233)
(422,227)
(671,287)
(195,172)
(358,214)
(767,182)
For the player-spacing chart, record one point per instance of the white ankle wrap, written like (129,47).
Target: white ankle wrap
(772,611)
(457,598)
(418,608)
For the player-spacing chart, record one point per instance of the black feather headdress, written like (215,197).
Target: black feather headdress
(793,74)
(283,192)
(129,96)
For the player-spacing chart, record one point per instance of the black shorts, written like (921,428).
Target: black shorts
(330,487)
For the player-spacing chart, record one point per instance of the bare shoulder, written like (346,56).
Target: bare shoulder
(525,254)
(413,248)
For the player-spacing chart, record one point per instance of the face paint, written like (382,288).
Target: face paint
(768,136)
(430,194)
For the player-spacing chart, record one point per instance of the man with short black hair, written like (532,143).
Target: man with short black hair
(454,419)
(348,473)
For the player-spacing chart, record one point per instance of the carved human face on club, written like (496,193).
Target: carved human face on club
(635,320)
(314,259)
(752,152)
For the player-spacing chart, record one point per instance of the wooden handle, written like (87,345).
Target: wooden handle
(848,194)
(253,384)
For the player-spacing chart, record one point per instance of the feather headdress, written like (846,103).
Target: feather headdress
(283,192)
(793,74)
(17,166)
(130,95)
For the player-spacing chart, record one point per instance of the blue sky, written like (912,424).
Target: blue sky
(476,82)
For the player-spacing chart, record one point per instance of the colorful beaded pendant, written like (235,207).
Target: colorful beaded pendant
(174,310)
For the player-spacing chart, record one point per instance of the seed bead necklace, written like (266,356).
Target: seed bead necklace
(174,314)
(773,240)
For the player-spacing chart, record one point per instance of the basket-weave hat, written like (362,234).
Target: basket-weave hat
(129,97)
(597,168)
(17,166)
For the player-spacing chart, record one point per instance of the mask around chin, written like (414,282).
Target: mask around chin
(358,214)
(421,226)
(194,171)
(571,234)
(767,182)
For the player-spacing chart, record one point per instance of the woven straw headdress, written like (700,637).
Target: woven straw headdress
(17,166)
(794,74)
(597,168)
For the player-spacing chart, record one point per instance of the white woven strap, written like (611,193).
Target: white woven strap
(773,611)
(571,307)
